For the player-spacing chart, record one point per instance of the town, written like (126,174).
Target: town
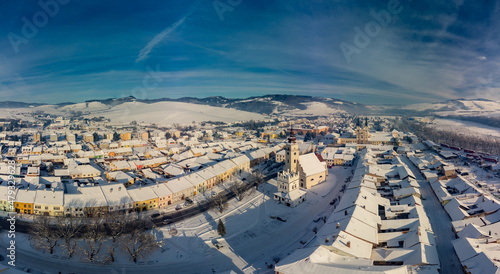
(360,193)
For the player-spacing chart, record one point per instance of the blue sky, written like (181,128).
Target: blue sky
(91,49)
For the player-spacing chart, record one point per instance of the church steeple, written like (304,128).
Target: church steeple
(292,154)
(292,138)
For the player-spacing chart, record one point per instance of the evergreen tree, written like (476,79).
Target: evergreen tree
(221,228)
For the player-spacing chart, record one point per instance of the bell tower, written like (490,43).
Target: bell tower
(292,154)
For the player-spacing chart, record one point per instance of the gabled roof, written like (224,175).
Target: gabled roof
(161,190)
(139,194)
(116,194)
(472,231)
(178,185)
(310,164)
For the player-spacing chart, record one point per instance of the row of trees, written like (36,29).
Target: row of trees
(96,239)
(219,201)
(469,140)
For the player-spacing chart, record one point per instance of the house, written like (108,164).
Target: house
(85,201)
(6,197)
(33,171)
(199,183)
(144,135)
(173,170)
(242,163)
(119,165)
(181,188)
(209,177)
(88,137)
(25,200)
(125,136)
(83,171)
(121,177)
(49,202)
(144,198)
(164,194)
(280,156)
(117,197)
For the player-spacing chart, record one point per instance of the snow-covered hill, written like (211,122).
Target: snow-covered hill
(458,107)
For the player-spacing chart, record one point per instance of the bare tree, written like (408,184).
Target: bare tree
(112,252)
(238,191)
(138,244)
(219,202)
(93,239)
(42,234)
(116,224)
(258,177)
(68,229)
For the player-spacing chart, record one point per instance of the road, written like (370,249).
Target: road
(440,222)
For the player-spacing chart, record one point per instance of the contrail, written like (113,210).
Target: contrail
(143,54)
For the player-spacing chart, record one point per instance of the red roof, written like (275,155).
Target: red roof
(320,158)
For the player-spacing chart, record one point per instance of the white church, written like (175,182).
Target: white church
(300,171)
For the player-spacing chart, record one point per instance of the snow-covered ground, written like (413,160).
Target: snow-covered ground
(465,126)
(459,107)
(174,112)
(315,108)
(160,112)
(253,238)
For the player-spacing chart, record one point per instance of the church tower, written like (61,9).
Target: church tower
(292,155)
(289,191)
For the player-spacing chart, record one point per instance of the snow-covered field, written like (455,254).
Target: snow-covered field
(459,107)
(253,238)
(465,126)
(315,108)
(160,113)
(173,112)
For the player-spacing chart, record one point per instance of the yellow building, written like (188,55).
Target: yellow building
(25,201)
(125,136)
(49,202)
(144,198)
(144,135)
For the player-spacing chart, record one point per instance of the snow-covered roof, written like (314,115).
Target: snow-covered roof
(139,194)
(116,194)
(310,164)
(178,185)
(161,190)
(88,196)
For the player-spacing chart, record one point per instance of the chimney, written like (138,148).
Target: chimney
(338,225)
(348,244)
